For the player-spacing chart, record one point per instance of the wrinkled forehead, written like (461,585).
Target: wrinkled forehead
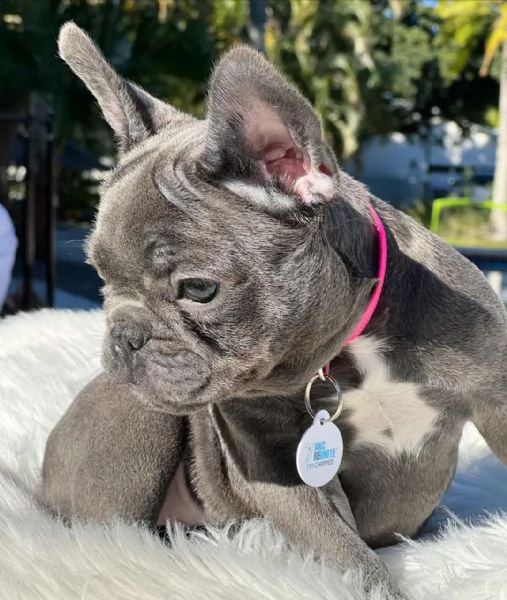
(158,212)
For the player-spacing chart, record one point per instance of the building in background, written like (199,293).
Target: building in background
(402,169)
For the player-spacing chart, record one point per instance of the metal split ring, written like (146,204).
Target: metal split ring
(337,389)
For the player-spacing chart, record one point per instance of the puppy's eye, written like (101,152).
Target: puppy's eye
(198,290)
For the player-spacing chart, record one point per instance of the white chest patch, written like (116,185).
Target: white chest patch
(391,415)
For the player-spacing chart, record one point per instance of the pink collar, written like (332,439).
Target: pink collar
(375,297)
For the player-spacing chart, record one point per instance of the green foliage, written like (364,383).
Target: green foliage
(404,59)
(369,66)
(163,56)
(420,210)
(462,34)
(468,226)
(323,47)
(160,54)
(463,26)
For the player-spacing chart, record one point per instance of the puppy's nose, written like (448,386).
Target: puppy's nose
(130,337)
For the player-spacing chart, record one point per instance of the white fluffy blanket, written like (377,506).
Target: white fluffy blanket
(46,357)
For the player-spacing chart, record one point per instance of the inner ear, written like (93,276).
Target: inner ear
(261,129)
(270,142)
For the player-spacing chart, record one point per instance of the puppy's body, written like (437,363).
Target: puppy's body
(405,404)
(237,259)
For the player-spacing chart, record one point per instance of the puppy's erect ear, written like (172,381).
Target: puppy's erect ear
(262,129)
(131,112)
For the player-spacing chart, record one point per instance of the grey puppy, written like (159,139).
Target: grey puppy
(237,258)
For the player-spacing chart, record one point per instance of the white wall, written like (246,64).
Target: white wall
(394,167)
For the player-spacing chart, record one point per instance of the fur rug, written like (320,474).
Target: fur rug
(46,357)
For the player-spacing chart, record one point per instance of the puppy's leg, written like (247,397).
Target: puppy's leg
(489,415)
(110,456)
(323,522)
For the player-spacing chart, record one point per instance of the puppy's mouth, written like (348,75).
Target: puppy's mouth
(167,375)
(181,369)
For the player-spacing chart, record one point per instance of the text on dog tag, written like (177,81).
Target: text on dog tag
(320,451)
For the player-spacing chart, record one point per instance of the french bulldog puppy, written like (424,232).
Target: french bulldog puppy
(237,258)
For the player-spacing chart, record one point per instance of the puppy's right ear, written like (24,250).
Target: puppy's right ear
(132,113)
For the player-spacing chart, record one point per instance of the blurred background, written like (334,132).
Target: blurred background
(412,94)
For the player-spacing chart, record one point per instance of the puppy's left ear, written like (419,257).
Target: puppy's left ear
(262,130)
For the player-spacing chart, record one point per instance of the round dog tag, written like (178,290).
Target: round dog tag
(320,451)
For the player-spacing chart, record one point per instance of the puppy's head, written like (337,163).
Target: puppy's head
(219,278)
